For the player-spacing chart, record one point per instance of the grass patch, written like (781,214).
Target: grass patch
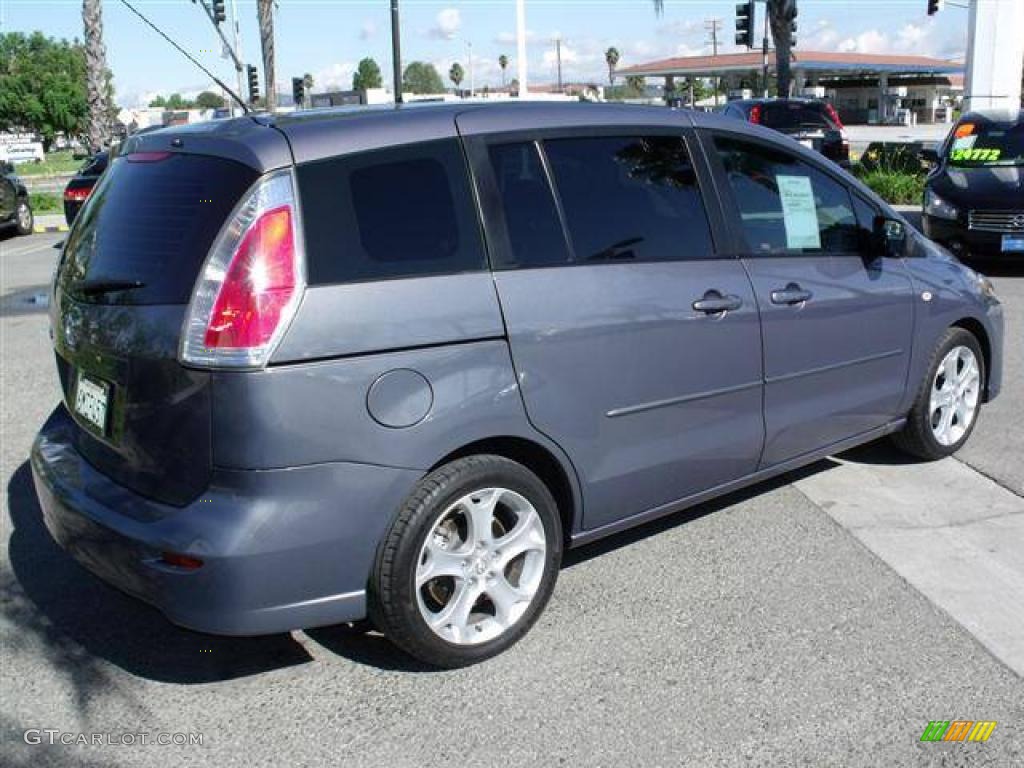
(895,187)
(56,163)
(45,202)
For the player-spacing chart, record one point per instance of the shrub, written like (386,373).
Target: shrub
(895,187)
(44,202)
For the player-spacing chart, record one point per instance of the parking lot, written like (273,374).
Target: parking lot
(823,619)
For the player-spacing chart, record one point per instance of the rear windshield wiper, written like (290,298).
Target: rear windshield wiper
(99,285)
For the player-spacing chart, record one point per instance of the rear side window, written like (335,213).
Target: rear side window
(630,199)
(403,212)
(535,232)
(786,204)
(152,219)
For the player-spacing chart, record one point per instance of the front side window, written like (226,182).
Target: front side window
(785,204)
(629,199)
(403,212)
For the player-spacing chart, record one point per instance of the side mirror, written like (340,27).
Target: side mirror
(890,237)
(930,156)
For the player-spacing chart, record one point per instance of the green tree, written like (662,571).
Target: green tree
(209,100)
(456,74)
(159,101)
(503,63)
(420,77)
(366,76)
(42,86)
(177,101)
(635,83)
(611,58)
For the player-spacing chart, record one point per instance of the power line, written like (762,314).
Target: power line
(185,53)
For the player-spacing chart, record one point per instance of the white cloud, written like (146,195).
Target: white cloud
(447,24)
(337,77)
(368,30)
(509,38)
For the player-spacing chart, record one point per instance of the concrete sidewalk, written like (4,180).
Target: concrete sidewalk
(952,533)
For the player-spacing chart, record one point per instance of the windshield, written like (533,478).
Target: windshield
(977,144)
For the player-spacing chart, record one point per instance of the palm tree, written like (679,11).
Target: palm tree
(503,63)
(95,69)
(265,14)
(611,57)
(781,14)
(455,74)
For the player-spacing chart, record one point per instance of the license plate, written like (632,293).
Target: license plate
(1013,243)
(91,401)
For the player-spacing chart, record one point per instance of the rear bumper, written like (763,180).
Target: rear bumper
(966,242)
(282,549)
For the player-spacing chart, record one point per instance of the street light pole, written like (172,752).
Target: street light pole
(521,45)
(396,52)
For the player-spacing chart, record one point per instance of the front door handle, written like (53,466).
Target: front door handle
(715,303)
(791,294)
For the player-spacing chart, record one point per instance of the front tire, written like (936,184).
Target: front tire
(23,218)
(947,403)
(469,563)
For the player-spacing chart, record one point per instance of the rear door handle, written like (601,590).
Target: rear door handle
(791,294)
(715,303)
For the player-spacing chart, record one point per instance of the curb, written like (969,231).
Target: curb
(39,229)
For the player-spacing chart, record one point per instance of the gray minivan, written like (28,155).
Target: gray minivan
(391,363)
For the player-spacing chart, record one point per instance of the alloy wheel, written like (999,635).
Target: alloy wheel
(955,392)
(480,566)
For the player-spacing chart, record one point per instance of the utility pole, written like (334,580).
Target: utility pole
(764,55)
(521,45)
(469,57)
(238,50)
(558,58)
(712,26)
(396,52)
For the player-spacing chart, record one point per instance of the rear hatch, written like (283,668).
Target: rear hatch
(124,283)
(813,124)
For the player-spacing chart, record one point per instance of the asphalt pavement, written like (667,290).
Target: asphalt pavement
(776,626)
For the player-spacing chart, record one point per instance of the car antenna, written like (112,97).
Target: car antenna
(183,52)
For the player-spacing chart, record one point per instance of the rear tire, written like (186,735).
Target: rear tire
(469,563)
(948,400)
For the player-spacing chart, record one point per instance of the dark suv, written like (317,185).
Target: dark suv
(392,362)
(812,122)
(974,196)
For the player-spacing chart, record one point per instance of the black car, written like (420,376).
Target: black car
(974,196)
(15,208)
(80,187)
(813,122)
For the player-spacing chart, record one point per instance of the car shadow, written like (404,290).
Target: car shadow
(77,621)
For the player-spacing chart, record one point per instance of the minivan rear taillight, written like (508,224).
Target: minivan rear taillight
(251,284)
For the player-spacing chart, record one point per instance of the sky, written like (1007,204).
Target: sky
(327,38)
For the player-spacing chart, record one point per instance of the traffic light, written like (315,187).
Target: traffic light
(934,6)
(745,23)
(218,11)
(254,83)
(298,91)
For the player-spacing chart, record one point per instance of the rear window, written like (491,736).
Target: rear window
(401,212)
(152,222)
(794,116)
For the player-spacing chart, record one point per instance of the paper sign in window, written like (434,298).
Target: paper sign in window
(798,212)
